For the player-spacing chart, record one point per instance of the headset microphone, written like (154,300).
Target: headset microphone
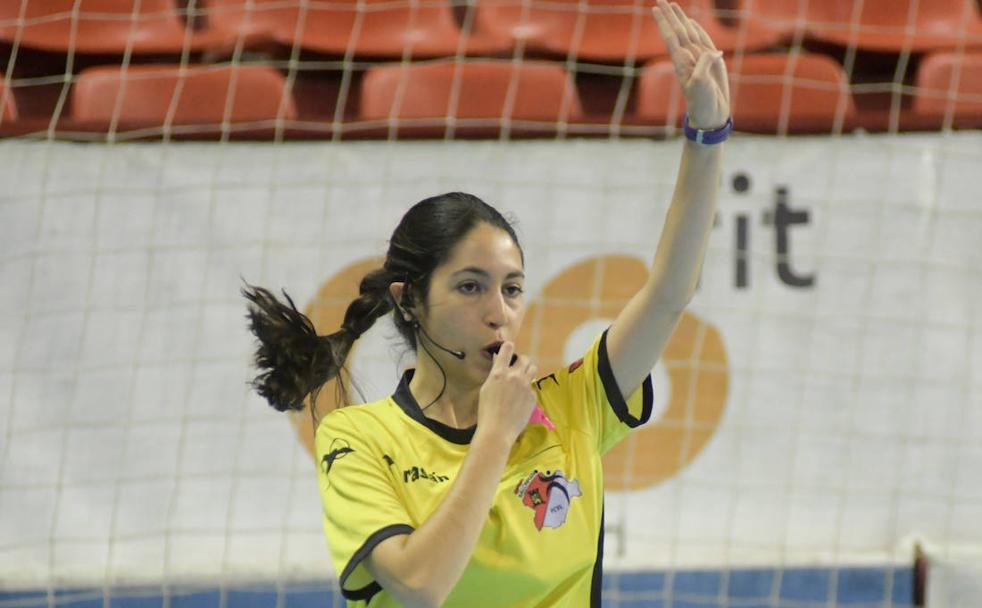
(417,325)
(456,353)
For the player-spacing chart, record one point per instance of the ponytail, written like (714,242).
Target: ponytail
(293,361)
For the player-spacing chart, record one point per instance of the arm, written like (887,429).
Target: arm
(641,330)
(420,569)
(638,336)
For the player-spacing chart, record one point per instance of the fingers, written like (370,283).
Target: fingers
(677,20)
(692,51)
(522,364)
(702,35)
(687,34)
(678,28)
(669,33)
(530,369)
(502,358)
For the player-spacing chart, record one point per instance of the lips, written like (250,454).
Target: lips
(492,349)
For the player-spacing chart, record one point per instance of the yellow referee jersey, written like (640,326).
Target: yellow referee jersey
(385,467)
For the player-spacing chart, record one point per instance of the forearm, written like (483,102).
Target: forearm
(641,330)
(430,561)
(685,236)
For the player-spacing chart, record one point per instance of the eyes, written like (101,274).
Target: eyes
(512,290)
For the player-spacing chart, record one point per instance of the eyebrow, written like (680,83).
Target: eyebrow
(484,273)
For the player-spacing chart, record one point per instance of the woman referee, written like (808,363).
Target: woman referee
(477,482)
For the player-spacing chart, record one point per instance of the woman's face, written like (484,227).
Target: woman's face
(476,299)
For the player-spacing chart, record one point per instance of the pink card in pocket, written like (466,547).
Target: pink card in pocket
(539,417)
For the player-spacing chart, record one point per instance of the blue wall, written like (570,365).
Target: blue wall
(758,588)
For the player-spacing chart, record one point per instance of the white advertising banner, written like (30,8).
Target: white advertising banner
(820,402)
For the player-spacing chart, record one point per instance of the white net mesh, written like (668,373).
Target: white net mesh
(282,69)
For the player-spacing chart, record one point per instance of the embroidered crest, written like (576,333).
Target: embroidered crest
(549,495)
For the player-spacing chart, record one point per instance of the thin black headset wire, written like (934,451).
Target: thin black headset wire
(443,372)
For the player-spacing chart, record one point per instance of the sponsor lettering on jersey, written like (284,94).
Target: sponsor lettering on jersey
(416,473)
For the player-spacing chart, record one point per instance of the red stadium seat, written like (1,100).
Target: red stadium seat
(479,90)
(154,95)
(950,83)
(8,108)
(379,28)
(769,93)
(606,30)
(98,26)
(895,25)
(769,21)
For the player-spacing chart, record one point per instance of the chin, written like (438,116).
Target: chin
(465,372)
(481,373)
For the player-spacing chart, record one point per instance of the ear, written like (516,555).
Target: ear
(396,289)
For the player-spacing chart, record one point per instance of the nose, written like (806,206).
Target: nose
(495,311)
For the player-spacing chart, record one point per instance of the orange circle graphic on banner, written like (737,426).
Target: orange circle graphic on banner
(694,357)
(595,289)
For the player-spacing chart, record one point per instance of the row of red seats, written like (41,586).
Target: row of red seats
(593,30)
(773,92)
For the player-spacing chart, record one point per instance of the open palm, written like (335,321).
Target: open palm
(698,64)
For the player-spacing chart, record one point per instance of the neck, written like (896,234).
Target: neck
(456,407)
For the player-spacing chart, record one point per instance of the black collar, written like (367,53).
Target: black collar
(404,397)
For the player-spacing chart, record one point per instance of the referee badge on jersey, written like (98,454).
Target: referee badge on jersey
(549,495)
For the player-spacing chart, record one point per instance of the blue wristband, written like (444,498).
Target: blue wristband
(706,137)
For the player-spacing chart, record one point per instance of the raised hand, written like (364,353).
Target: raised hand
(698,64)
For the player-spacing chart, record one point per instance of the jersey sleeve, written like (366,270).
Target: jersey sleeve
(360,505)
(585,397)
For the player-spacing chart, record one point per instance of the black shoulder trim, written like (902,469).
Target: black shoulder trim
(365,593)
(614,395)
